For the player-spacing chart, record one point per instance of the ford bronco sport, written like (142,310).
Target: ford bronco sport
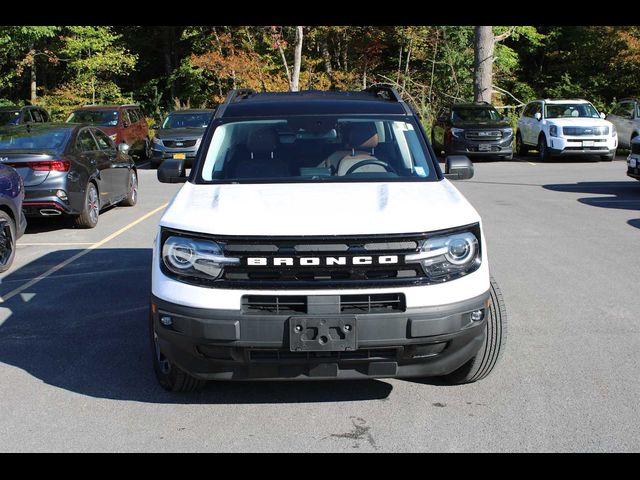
(316,237)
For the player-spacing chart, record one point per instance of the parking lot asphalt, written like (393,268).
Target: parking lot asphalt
(75,363)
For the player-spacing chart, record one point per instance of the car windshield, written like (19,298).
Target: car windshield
(105,118)
(187,120)
(19,138)
(316,148)
(571,110)
(475,114)
(9,117)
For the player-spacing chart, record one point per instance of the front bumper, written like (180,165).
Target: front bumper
(560,146)
(232,345)
(160,153)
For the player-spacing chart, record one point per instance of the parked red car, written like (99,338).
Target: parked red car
(123,123)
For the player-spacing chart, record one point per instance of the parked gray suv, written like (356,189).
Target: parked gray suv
(625,115)
(179,135)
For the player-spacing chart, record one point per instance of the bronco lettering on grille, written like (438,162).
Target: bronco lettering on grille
(321,261)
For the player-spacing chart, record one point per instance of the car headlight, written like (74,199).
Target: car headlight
(507,132)
(457,132)
(190,257)
(553,130)
(449,256)
(157,141)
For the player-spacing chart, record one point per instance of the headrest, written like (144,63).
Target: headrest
(262,140)
(363,135)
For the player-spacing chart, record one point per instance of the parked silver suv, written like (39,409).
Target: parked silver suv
(625,115)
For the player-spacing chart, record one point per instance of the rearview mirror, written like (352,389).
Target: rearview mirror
(458,167)
(538,116)
(172,171)
(123,147)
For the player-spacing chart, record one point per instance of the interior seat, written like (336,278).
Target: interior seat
(363,140)
(261,159)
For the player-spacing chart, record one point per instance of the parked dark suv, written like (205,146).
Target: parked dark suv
(472,129)
(179,135)
(123,123)
(22,115)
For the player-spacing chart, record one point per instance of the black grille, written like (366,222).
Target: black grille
(582,131)
(284,355)
(179,143)
(635,147)
(297,273)
(345,304)
(480,135)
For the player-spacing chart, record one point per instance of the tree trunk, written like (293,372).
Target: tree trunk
(297,60)
(483,64)
(168,64)
(34,83)
(326,57)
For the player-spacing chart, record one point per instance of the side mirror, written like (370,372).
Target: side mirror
(125,124)
(458,167)
(172,171)
(602,115)
(155,126)
(123,147)
(538,116)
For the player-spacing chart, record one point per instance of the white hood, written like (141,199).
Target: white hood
(318,209)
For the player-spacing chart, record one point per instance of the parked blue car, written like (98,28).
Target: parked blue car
(12,219)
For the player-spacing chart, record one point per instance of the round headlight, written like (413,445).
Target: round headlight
(179,253)
(461,249)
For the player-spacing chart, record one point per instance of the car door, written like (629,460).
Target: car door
(525,123)
(128,134)
(534,125)
(136,129)
(626,114)
(97,162)
(118,165)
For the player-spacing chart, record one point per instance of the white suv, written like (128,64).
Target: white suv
(565,127)
(317,237)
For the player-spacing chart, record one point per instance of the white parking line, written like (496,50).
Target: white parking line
(78,255)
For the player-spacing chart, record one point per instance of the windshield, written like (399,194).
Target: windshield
(9,117)
(105,118)
(316,148)
(571,110)
(23,139)
(187,120)
(474,114)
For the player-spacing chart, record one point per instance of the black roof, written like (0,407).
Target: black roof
(194,110)
(246,103)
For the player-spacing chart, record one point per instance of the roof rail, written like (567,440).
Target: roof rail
(233,95)
(379,89)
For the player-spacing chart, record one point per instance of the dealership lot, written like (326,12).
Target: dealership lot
(76,374)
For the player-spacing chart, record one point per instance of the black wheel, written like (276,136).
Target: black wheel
(7,241)
(170,376)
(146,152)
(132,197)
(91,209)
(521,148)
(543,152)
(494,343)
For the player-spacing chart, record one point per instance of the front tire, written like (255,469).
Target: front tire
(543,150)
(521,148)
(7,241)
(170,376)
(91,208)
(146,151)
(132,197)
(493,346)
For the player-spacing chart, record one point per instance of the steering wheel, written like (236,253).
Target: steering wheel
(362,163)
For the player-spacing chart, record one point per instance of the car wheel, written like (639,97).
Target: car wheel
(132,186)
(521,148)
(543,151)
(91,208)
(7,241)
(146,151)
(170,376)
(492,347)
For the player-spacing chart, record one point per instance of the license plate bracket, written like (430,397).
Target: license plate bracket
(322,334)
(484,147)
(587,143)
(179,156)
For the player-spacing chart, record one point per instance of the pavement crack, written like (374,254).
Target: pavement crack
(361,431)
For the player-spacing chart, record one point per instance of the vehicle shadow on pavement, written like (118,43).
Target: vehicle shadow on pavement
(84,329)
(624,195)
